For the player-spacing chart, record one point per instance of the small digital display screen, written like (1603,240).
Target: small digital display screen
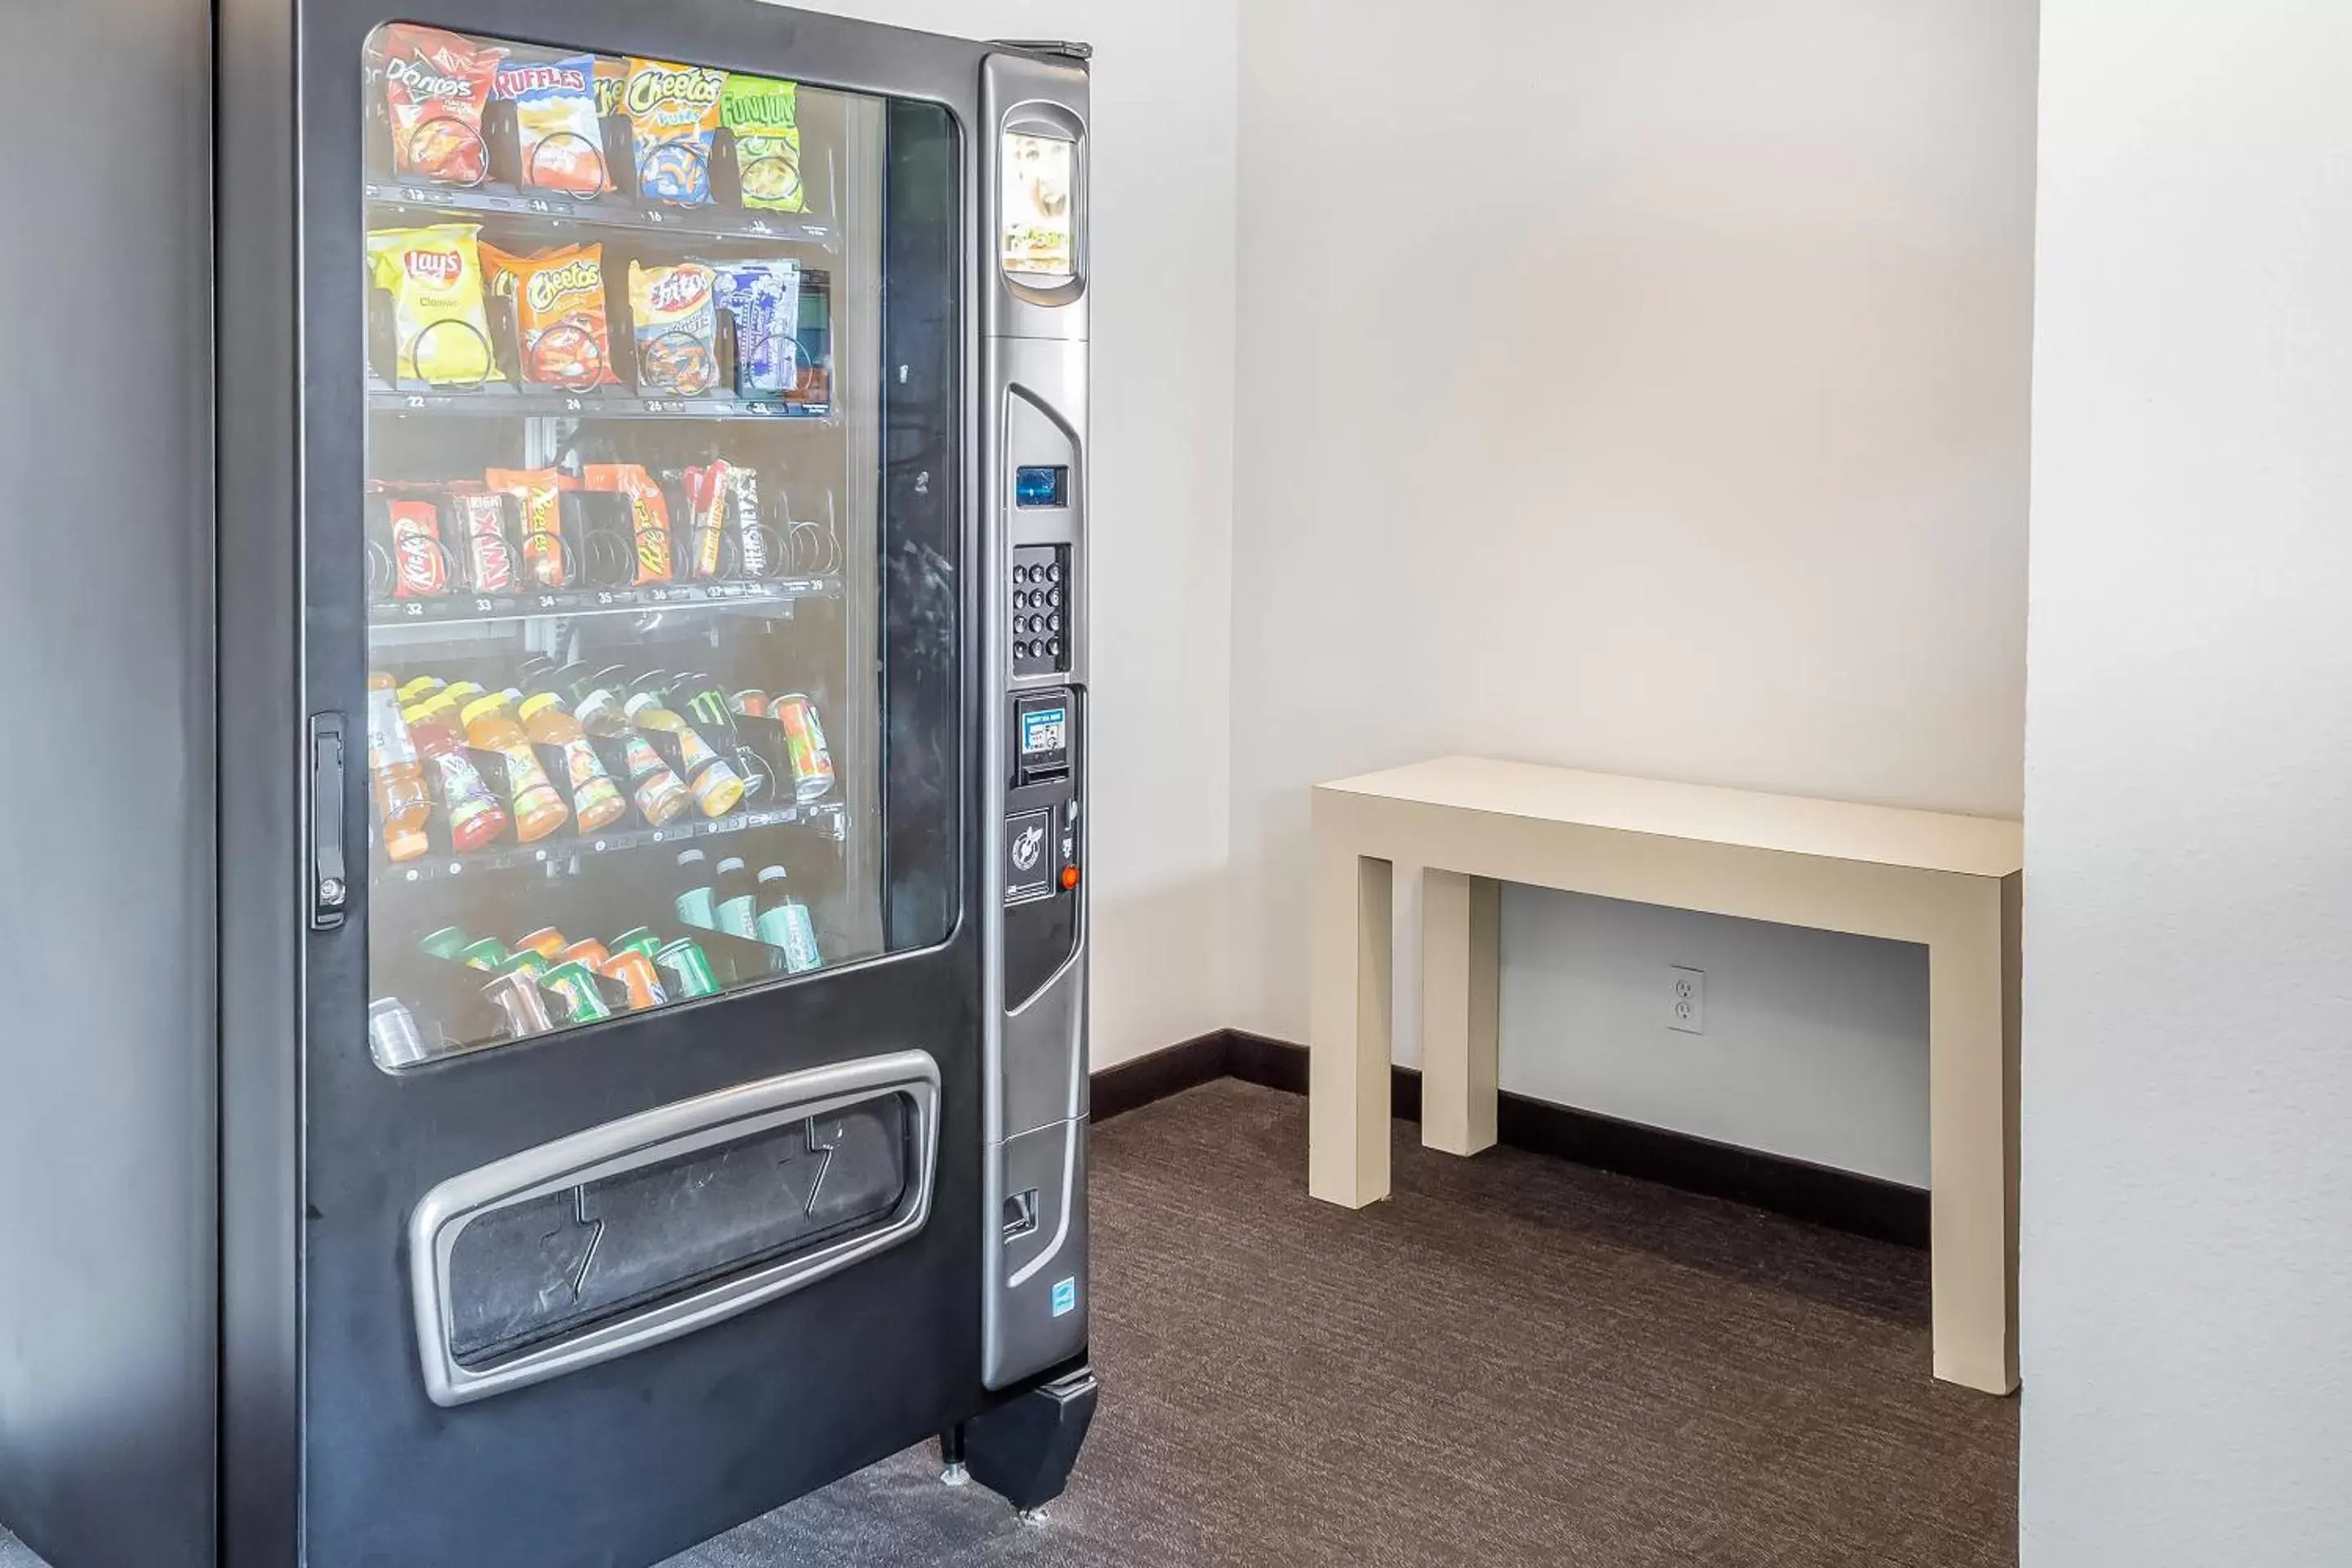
(1045,730)
(1040,486)
(1040,223)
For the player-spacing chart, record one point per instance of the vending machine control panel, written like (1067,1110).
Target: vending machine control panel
(1040,618)
(1033,479)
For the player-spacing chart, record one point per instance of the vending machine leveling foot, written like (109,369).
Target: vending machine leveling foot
(1024,1450)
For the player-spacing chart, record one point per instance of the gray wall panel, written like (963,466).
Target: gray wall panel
(107,1044)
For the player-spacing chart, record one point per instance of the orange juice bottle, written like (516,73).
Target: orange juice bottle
(491,726)
(595,798)
(402,799)
(717,787)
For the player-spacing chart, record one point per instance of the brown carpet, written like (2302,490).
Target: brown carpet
(1513,1361)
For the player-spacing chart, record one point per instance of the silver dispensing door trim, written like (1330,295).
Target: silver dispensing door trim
(662,1134)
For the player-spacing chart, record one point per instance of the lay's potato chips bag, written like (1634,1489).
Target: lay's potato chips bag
(440,314)
(672,121)
(764,115)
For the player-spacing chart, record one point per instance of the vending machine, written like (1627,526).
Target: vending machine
(651,745)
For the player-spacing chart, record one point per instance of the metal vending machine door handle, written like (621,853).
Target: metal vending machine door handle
(330,887)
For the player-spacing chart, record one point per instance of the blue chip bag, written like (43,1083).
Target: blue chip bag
(764,297)
(673,120)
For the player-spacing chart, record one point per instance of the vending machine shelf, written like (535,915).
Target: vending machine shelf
(500,401)
(559,855)
(438,203)
(773,597)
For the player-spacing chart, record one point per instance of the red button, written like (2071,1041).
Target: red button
(1069,877)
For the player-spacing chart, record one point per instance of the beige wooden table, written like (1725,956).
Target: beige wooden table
(1950,883)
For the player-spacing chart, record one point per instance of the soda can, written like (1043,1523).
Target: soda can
(517,997)
(447,943)
(641,940)
(788,926)
(527,963)
(587,951)
(575,986)
(686,968)
(752,703)
(546,942)
(812,765)
(392,1034)
(487,954)
(636,971)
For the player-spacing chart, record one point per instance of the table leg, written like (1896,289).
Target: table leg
(1460,986)
(1348,1028)
(1972,1041)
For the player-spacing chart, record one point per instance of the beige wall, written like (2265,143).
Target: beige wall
(1640,387)
(1163,489)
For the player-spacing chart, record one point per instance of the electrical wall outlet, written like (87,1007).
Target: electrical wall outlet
(1686,1000)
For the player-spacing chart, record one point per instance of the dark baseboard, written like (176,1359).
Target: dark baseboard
(1115,1091)
(1840,1200)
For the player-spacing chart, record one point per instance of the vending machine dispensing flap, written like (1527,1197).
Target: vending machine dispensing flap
(643,1229)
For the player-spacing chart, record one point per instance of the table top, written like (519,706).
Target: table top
(1834,829)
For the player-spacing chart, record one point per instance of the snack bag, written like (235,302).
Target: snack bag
(555,117)
(540,492)
(612,85)
(560,314)
(764,115)
(434,85)
(649,514)
(676,328)
(440,315)
(673,114)
(764,297)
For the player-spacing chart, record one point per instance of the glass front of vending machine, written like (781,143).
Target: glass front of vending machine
(637,1113)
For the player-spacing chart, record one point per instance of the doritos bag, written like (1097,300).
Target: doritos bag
(434,85)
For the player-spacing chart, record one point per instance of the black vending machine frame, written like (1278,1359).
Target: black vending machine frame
(331,1452)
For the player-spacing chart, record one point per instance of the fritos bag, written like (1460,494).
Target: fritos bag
(560,314)
(555,118)
(434,85)
(764,115)
(440,315)
(673,117)
(676,321)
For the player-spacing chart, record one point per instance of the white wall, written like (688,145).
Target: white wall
(1164,95)
(2187,1286)
(1815,1043)
(1638,387)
